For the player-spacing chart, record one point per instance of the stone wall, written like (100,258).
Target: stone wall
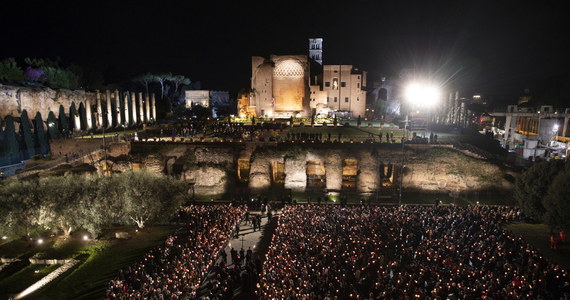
(14,99)
(213,168)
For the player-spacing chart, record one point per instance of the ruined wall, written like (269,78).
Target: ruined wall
(213,169)
(61,147)
(14,99)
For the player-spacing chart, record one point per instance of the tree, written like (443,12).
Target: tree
(53,130)
(144,79)
(40,134)
(9,70)
(161,79)
(19,202)
(358,121)
(26,133)
(147,197)
(73,114)
(557,201)
(179,80)
(10,146)
(63,124)
(532,185)
(61,207)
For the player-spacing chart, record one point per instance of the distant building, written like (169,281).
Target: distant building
(301,86)
(345,87)
(280,86)
(216,100)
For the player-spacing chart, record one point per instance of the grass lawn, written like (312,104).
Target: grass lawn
(89,280)
(24,278)
(538,236)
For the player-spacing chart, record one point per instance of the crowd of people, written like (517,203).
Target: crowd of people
(405,252)
(175,269)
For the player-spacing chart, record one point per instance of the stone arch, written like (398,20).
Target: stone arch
(316,174)
(349,173)
(277,173)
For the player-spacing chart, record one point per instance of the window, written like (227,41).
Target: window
(335,99)
(336,71)
(343,84)
(328,84)
(335,84)
(328,99)
(358,76)
(358,85)
(345,99)
(357,99)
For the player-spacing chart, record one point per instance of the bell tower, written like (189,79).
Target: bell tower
(316,49)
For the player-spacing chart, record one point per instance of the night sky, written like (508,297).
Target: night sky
(492,47)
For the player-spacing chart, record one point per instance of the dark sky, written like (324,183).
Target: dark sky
(493,47)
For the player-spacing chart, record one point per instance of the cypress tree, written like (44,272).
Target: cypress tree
(82,116)
(10,148)
(53,129)
(72,114)
(63,124)
(26,136)
(41,137)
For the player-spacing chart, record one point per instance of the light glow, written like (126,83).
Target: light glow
(422,94)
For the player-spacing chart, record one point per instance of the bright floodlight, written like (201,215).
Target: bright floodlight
(422,94)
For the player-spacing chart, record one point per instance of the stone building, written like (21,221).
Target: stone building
(345,87)
(301,86)
(279,86)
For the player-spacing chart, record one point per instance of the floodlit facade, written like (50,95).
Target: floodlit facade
(280,86)
(345,87)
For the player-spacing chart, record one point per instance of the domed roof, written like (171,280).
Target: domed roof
(288,68)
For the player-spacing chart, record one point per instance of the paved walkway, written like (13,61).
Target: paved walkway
(246,238)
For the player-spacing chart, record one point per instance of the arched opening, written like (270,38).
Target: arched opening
(349,173)
(278,173)
(316,175)
(243,169)
(387,174)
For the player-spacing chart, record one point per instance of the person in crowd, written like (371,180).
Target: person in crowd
(405,252)
(176,268)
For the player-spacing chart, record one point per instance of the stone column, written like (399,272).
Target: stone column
(99,121)
(134,107)
(141,112)
(109,109)
(146,108)
(88,113)
(565,125)
(333,167)
(153,105)
(126,107)
(296,173)
(118,108)
(368,179)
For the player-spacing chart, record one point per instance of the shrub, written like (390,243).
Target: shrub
(37,157)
